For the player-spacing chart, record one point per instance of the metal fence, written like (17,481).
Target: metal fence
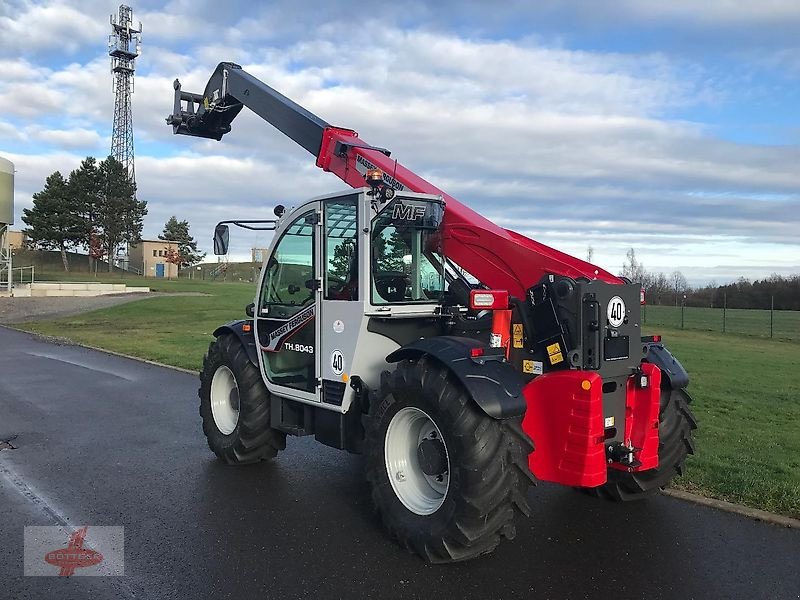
(765,323)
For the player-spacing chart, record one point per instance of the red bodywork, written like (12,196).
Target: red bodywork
(497,257)
(564,419)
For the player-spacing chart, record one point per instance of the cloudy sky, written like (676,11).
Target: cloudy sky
(670,127)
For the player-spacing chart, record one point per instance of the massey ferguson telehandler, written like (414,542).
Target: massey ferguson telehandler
(391,320)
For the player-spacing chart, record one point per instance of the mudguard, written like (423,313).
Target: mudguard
(247,338)
(671,368)
(492,382)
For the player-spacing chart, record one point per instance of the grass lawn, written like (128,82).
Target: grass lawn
(746,390)
(175,330)
(747,400)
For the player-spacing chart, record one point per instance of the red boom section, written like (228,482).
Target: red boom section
(498,257)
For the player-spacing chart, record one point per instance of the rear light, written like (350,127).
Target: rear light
(656,338)
(488,299)
(475,352)
(247,327)
(641,296)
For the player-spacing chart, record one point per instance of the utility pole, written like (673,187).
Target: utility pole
(123,48)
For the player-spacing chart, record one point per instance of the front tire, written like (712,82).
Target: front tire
(235,405)
(446,478)
(675,444)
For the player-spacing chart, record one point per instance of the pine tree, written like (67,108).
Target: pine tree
(85,191)
(54,222)
(178,232)
(340,262)
(119,214)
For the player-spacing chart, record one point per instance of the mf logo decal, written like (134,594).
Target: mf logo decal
(616,311)
(296,322)
(407,212)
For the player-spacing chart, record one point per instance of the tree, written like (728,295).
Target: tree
(173,256)
(178,232)
(678,284)
(53,222)
(633,269)
(120,215)
(85,192)
(339,267)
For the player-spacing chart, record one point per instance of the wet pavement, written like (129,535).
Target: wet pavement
(103,440)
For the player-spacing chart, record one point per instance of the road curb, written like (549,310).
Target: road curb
(745,511)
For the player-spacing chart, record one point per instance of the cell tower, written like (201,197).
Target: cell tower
(123,47)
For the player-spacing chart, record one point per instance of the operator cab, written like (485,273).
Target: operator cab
(338,265)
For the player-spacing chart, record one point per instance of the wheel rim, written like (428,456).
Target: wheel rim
(224,400)
(420,492)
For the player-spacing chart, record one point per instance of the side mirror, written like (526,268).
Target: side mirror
(250,309)
(279,210)
(221,239)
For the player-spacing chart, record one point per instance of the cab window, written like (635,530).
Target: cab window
(289,281)
(407,266)
(341,249)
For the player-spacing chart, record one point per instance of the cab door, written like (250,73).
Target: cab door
(341,305)
(287,308)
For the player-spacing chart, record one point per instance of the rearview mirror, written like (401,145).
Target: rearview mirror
(221,239)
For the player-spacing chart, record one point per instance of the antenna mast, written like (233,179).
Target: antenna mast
(123,48)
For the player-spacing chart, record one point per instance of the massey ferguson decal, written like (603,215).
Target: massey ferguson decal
(296,322)
(362,164)
(408,212)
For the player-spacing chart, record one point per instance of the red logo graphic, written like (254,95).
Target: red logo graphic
(74,556)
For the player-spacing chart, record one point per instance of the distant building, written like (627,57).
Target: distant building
(259,254)
(16,240)
(150,257)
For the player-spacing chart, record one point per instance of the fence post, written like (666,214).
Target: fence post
(683,307)
(724,310)
(771,313)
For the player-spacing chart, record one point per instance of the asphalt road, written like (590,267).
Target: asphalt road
(104,440)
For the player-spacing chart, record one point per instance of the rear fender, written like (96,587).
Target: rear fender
(671,368)
(246,338)
(492,383)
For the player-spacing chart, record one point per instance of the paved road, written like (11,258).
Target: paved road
(110,441)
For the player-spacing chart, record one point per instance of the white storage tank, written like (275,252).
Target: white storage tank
(6,191)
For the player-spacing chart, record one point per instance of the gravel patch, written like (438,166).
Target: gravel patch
(19,310)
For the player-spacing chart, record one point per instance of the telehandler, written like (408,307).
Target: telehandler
(391,320)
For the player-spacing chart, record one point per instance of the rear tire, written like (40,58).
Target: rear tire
(469,507)
(235,405)
(676,423)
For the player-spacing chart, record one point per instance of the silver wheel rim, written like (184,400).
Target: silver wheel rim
(419,492)
(224,400)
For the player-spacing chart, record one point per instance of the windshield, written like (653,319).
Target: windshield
(407,265)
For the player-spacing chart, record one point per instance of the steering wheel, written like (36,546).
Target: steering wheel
(391,285)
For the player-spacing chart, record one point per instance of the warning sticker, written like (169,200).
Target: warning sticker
(517,335)
(533,367)
(609,422)
(554,353)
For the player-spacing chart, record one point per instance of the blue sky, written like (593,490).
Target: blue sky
(668,127)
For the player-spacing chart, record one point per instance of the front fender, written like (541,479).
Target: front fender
(492,383)
(246,338)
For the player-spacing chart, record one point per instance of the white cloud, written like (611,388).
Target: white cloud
(48,27)
(562,144)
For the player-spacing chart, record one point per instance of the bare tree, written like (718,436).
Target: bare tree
(633,269)
(678,284)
